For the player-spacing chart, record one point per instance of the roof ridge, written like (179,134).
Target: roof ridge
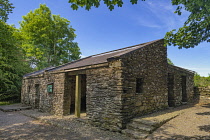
(127,47)
(118,49)
(140,46)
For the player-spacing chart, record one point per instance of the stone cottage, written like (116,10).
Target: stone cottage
(111,87)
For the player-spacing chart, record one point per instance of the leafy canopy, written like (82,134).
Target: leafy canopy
(88,4)
(195,30)
(47,39)
(197,27)
(5,8)
(12,64)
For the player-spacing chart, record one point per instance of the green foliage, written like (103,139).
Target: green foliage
(88,4)
(12,64)
(5,103)
(170,62)
(47,39)
(197,27)
(194,31)
(5,8)
(201,81)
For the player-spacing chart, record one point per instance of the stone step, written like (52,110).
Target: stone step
(140,127)
(135,134)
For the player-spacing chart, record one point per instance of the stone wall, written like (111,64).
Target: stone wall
(47,102)
(29,93)
(104,90)
(150,64)
(204,91)
(178,73)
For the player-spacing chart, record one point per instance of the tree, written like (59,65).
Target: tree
(5,9)
(195,30)
(197,27)
(48,39)
(12,64)
(169,61)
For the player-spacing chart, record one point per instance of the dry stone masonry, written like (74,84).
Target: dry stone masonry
(114,87)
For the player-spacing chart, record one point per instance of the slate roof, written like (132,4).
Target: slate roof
(37,72)
(100,58)
(93,60)
(181,69)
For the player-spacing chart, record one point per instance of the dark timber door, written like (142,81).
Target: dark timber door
(171,101)
(37,98)
(184,92)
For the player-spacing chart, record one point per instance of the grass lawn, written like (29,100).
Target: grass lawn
(7,102)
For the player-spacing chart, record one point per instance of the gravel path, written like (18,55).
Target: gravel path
(16,126)
(193,124)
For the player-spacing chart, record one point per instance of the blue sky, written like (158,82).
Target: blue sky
(100,30)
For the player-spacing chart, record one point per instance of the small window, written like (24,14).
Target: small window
(29,89)
(50,88)
(139,85)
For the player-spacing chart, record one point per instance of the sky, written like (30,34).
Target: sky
(100,30)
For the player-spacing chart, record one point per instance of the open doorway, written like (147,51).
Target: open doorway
(171,100)
(83,93)
(184,91)
(37,95)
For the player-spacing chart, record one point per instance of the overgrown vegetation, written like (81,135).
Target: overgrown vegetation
(201,81)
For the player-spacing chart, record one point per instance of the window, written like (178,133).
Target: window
(139,85)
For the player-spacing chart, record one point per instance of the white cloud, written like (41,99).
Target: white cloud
(160,14)
(147,23)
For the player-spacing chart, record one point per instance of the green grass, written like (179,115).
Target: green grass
(7,102)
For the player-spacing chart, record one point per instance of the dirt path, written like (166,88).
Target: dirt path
(193,124)
(15,126)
